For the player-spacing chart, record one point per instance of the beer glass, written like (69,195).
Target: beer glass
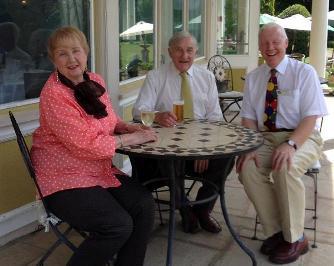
(178,110)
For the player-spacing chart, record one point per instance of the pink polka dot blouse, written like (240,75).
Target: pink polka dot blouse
(72,149)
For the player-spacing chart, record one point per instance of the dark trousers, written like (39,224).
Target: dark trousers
(146,169)
(118,220)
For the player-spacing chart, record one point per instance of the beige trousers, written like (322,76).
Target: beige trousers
(279,196)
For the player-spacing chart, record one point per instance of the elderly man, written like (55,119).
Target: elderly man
(161,88)
(282,99)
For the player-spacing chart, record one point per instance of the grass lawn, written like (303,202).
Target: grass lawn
(131,50)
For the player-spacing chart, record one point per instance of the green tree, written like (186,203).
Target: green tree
(267,6)
(293,10)
(299,40)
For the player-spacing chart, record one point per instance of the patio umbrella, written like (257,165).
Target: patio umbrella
(331,15)
(195,20)
(266,18)
(298,22)
(139,28)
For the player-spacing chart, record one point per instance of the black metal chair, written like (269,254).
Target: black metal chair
(51,220)
(222,71)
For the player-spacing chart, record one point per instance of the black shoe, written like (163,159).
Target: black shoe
(207,222)
(189,220)
(271,243)
(289,252)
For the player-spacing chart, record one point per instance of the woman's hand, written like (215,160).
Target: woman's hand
(246,157)
(131,128)
(165,119)
(138,137)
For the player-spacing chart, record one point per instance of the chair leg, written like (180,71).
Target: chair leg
(315,217)
(255,228)
(61,240)
(190,188)
(314,176)
(159,207)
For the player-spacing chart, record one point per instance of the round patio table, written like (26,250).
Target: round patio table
(197,139)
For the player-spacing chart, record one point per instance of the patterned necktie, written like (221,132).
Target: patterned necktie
(186,96)
(270,109)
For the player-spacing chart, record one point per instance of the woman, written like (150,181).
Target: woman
(72,153)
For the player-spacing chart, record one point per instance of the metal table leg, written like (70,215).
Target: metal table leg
(171,227)
(233,233)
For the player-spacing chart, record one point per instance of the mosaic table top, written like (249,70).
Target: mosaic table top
(198,139)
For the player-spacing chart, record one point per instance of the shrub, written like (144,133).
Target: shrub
(298,40)
(294,9)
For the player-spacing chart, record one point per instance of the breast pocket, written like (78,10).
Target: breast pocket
(288,101)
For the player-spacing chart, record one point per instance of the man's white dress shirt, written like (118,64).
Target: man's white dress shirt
(299,94)
(162,87)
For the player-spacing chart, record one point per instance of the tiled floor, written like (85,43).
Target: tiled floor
(207,249)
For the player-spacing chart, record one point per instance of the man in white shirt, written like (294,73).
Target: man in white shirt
(282,99)
(161,88)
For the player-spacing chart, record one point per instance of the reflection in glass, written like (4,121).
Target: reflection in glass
(177,15)
(195,25)
(136,38)
(24,30)
(233,26)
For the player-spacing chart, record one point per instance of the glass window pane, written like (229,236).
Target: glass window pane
(136,38)
(24,29)
(195,25)
(177,15)
(233,26)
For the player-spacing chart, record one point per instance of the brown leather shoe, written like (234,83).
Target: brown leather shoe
(189,220)
(271,243)
(207,222)
(289,252)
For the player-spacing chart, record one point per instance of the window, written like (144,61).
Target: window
(24,29)
(196,22)
(181,15)
(136,38)
(233,26)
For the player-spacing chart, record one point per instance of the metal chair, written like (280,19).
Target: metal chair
(51,220)
(297,56)
(222,71)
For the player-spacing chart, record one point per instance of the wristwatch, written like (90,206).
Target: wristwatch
(292,143)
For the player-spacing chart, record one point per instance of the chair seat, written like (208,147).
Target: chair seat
(232,94)
(315,167)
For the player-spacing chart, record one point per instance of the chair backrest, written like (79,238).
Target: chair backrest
(222,70)
(26,156)
(297,56)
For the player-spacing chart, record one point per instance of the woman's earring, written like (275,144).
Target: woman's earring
(57,77)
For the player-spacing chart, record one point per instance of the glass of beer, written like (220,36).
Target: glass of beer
(178,110)
(147,117)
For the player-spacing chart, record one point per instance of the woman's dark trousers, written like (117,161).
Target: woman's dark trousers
(118,220)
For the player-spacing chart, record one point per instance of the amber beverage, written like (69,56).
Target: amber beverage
(178,110)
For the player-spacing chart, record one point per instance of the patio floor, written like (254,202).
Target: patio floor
(204,248)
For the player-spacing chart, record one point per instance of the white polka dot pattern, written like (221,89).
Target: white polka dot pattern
(72,149)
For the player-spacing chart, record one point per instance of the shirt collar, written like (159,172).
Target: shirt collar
(190,71)
(281,67)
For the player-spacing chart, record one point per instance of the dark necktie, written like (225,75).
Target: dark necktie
(270,109)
